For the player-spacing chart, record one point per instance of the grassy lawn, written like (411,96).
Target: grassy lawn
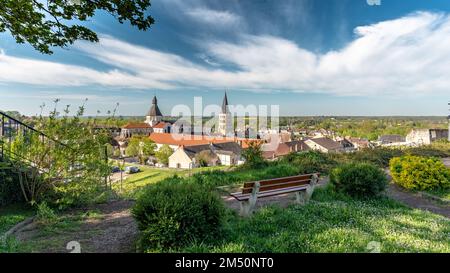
(149,175)
(332,223)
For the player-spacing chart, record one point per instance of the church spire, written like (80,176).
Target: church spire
(225,104)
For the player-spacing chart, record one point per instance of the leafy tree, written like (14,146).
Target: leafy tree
(163,154)
(68,166)
(53,23)
(253,154)
(205,158)
(140,146)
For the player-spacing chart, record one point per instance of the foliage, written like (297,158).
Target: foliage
(311,162)
(361,180)
(379,156)
(420,173)
(10,191)
(365,127)
(174,214)
(44,24)
(140,146)
(66,164)
(205,158)
(253,155)
(45,215)
(163,154)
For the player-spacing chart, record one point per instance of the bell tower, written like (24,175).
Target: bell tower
(225,127)
(154,115)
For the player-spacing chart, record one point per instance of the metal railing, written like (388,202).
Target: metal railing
(14,151)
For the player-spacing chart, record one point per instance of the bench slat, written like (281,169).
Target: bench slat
(278,186)
(278,180)
(242,197)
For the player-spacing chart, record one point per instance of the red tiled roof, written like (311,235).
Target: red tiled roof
(160,125)
(137,126)
(192,140)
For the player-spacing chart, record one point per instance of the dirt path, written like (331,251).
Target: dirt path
(416,200)
(112,229)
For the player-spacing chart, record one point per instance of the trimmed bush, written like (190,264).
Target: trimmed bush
(173,215)
(360,180)
(420,173)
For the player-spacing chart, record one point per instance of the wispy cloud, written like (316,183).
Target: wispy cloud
(407,56)
(214,17)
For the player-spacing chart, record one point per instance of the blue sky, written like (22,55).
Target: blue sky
(310,57)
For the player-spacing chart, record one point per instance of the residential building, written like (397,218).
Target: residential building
(187,157)
(283,149)
(426,136)
(391,139)
(359,143)
(323,144)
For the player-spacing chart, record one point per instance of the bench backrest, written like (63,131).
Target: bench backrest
(279,183)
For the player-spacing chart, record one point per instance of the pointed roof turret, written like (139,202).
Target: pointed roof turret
(154,110)
(225,104)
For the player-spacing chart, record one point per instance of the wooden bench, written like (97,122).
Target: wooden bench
(302,185)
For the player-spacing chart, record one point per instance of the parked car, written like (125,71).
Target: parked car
(132,169)
(160,165)
(115,169)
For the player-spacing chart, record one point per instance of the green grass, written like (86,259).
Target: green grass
(441,193)
(148,175)
(333,223)
(12,215)
(9,217)
(53,234)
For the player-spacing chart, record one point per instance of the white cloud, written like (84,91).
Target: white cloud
(215,17)
(407,56)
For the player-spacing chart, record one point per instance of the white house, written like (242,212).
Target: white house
(186,157)
(426,136)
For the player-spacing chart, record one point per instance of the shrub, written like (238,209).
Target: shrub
(45,215)
(10,191)
(173,215)
(420,173)
(361,180)
(311,162)
(253,155)
(379,156)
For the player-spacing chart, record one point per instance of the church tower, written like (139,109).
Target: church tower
(154,115)
(225,119)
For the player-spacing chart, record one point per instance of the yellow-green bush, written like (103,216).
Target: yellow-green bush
(419,173)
